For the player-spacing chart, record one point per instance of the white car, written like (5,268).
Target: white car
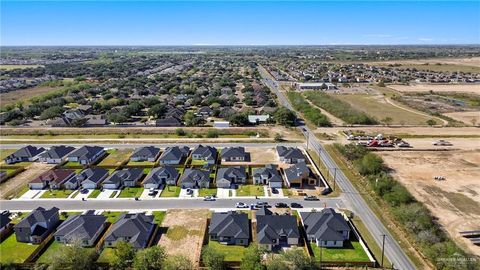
(241,205)
(442,143)
(209,198)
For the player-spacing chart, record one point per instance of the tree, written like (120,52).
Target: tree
(297,258)
(123,255)
(238,119)
(211,133)
(51,112)
(285,117)
(252,259)
(278,137)
(370,164)
(276,263)
(157,110)
(431,122)
(387,120)
(117,118)
(177,262)
(213,259)
(180,132)
(149,258)
(72,256)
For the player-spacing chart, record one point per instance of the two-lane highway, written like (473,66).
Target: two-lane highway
(392,250)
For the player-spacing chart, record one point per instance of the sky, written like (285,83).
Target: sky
(238,23)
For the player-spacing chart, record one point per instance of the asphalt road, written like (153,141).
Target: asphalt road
(392,250)
(155,204)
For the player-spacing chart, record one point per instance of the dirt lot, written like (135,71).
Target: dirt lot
(23,94)
(16,183)
(455,201)
(258,156)
(185,230)
(472,61)
(412,131)
(468,88)
(465,117)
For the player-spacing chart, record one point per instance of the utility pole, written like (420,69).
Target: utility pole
(383,247)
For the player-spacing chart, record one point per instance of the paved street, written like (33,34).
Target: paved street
(155,204)
(392,250)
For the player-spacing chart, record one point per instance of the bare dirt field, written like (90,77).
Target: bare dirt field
(465,117)
(454,201)
(467,88)
(411,131)
(259,156)
(472,61)
(185,231)
(16,183)
(24,94)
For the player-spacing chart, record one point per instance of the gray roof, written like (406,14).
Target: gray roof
(57,152)
(230,224)
(81,226)
(167,172)
(136,226)
(195,176)
(38,215)
(92,174)
(175,153)
(229,152)
(27,152)
(272,226)
(207,152)
(325,225)
(296,170)
(129,174)
(230,173)
(4,219)
(146,151)
(269,172)
(290,152)
(86,152)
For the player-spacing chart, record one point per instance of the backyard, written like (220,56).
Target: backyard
(13,251)
(233,253)
(106,256)
(351,252)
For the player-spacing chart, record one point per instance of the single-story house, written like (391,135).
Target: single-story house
(24,154)
(204,111)
(52,179)
(230,176)
(326,228)
(268,175)
(56,154)
(92,177)
(297,174)
(290,154)
(174,155)
(275,230)
(87,155)
(168,122)
(135,229)
(206,153)
(230,228)
(161,176)
(35,227)
(128,177)
(257,119)
(85,228)
(234,154)
(194,178)
(146,153)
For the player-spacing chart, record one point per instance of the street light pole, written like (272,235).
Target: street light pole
(383,247)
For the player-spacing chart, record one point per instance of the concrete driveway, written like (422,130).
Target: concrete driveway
(183,193)
(106,193)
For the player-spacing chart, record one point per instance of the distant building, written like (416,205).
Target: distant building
(221,124)
(257,119)
(316,86)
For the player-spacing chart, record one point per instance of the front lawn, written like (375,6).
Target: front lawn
(13,251)
(158,217)
(250,190)
(131,192)
(107,256)
(207,192)
(141,163)
(170,191)
(198,162)
(116,157)
(57,194)
(112,216)
(94,194)
(22,191)
(352,252)
(72,164)
(233,253)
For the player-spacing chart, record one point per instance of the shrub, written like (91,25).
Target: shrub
(314,115)
(212,133)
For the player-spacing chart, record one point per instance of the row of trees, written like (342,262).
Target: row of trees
(313,114)
(413,215)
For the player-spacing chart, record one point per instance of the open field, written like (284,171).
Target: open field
(468,88)
(466,117)
(454,201)
(116,157)
(17,183)
(378,107)
(11,67)
(438,64)
(185,230)
(25,94)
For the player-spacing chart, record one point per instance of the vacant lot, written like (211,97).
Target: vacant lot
(378,107)
(17,183)
(25,94)
(468,88)
(116,157)
(10,67)
(454,201)
(469,118)
(185,231)
(438,64)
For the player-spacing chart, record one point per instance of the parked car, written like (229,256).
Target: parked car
(310,198)
(363,143)
(326,191)
(262,204)
(84,191)
(385,144)
(209,198)
(442,143)
(241,205)
(403,144)
(189,191)
(152,192)
(281,205)
(274,191)
(373,143)
(295,205)
(253,206)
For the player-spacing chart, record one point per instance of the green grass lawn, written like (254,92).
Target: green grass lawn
(131,192)
(13,251)
(287,192)
(146,171)
(180,170)
(65,215)
(233,253)
(170,191)
(22,191)
(51,250)
(94,194)
(198,162)
(158,217)
(106,256)
(113,194)
(250,190)
(352,251)
(116,157)
(15,165)
(140,163)
(207,192)
(72,164)
(112,216)
(50,194)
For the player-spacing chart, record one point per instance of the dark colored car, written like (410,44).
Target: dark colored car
(310,198)
(281,205)
(326,191)
(274,191)
(84,191)
(295,205)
